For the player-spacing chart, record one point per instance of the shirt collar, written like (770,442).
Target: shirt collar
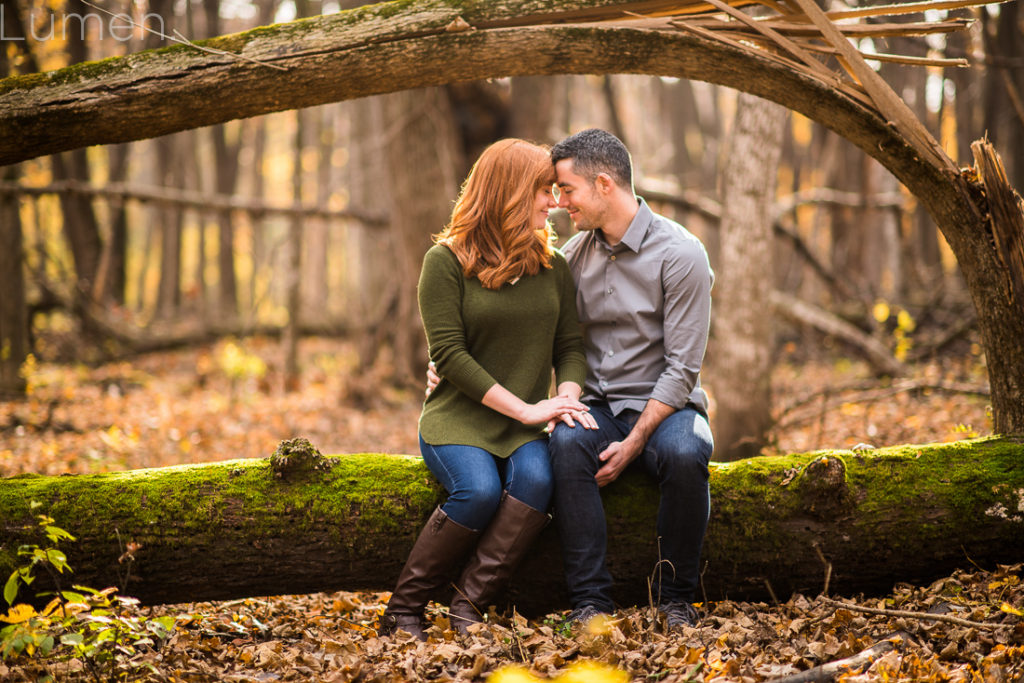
(638,227)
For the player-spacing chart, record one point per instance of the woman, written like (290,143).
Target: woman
(499,309)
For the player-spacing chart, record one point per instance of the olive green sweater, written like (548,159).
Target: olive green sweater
(478,337)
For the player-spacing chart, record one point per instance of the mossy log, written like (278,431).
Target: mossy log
(295,524)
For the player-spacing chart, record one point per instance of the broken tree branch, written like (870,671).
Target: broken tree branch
(829,672)
(905,614)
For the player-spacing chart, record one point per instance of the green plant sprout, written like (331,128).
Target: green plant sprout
(94,626)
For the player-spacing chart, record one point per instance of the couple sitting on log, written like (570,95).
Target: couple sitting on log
(622,315)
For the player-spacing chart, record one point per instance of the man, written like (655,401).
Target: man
(644,301)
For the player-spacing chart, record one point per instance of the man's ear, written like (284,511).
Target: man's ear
(604,183)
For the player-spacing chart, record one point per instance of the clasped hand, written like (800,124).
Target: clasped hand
(564,408)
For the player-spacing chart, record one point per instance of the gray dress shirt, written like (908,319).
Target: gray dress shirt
(645,308)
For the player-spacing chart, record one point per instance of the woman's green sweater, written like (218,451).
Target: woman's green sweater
(512,336)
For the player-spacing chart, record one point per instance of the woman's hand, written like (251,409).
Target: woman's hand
(558,407)
(505,402)
(433,379)
(574,417)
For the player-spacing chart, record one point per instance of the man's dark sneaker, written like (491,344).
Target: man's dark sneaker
(581,616)
(679,614)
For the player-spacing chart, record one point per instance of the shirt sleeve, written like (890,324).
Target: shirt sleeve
(569,359)
(686,280)
(440,300)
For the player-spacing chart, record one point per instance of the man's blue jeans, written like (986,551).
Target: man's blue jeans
(475,479)
(677,455)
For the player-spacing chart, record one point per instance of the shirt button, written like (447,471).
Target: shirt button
(611,353)
(604,383)
(612,257)
(610,290)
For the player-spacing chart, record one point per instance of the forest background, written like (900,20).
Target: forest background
(208,294)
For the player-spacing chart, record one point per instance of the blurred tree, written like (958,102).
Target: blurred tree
(744,329)
(13,310)
(424,156)
(226,148)
(1003,101)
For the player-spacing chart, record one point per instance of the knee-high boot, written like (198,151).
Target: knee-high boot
(440,547)
(502,546)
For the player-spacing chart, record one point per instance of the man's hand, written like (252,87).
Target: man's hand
(615,458)
(620,453)
(433,379)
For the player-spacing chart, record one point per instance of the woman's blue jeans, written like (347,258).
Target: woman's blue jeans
(475,479)
(677,455)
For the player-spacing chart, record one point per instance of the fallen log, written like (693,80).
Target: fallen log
(299,522)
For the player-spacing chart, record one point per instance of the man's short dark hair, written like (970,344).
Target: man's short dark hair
(594,151)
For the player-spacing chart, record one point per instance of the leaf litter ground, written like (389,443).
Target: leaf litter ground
(216,403)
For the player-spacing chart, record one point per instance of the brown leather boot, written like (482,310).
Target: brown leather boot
(440,547)
(510,534)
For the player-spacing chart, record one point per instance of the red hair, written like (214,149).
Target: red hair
(490,230)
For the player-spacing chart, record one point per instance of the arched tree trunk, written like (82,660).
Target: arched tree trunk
(398,46)
(744,333)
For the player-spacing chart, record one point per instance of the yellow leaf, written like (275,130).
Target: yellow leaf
(600,625)
(512,674)
(905,321)
(881,311)
(19,613)
(1010,609)
(592,672)
(51,607)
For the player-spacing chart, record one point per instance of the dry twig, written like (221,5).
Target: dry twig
(924,616)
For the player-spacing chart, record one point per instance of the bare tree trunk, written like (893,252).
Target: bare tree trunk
(293,266)
(170,220)
(14,320)
(13,311)
(882,257)
(117,242)
(1004,86)
(744,330)
(369,258)
(535,108)
(259,241)
(318,237)
(423,157)
(225,162)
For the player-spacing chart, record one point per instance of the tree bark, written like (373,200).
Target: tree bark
(252,527)
(746,336)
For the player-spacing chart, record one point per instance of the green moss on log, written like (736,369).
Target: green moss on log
(237,528)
